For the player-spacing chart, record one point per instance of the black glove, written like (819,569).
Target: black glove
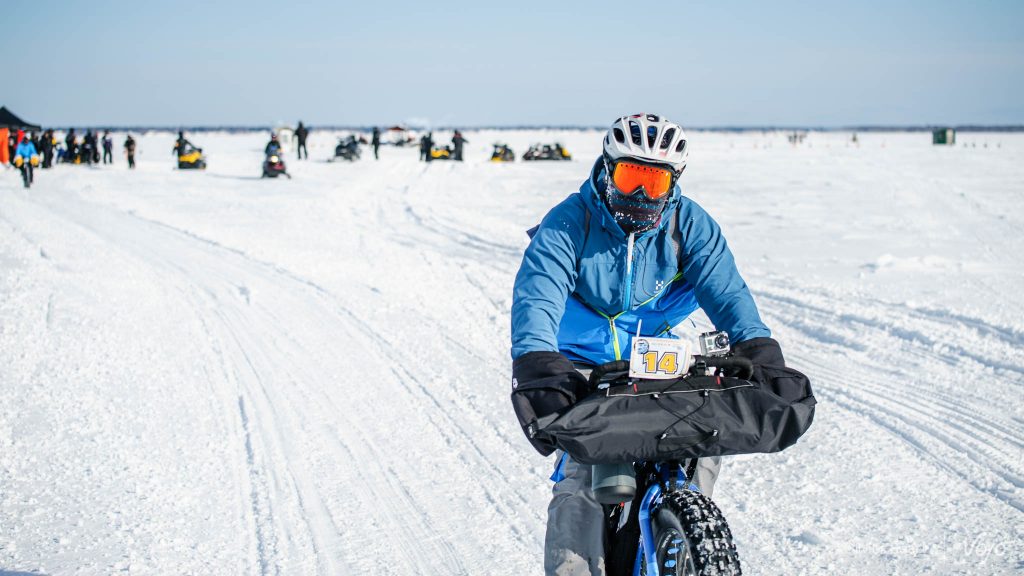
(771,371)
(543,383)
(760,351)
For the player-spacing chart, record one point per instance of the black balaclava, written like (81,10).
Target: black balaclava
(633,212)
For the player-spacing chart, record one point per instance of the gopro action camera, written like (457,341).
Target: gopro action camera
(714,343)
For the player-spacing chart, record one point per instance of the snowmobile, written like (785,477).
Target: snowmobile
(347,149)
(192,159)
(86,154)
(441,153)
(72,154)
(273,165)
(547,152)
(502,153)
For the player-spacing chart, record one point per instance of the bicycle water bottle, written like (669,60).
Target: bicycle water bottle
(613,483)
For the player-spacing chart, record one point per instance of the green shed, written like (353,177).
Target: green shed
(944,136)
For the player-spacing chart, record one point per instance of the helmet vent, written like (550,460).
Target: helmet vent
(647,138)
(667,138)
(634,132)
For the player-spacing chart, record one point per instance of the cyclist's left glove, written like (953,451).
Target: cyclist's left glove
(543,383)
(760,351)
(771,371)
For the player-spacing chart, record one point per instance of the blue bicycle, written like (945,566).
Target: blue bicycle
(658,523)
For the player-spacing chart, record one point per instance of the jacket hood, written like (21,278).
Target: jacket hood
(592,189)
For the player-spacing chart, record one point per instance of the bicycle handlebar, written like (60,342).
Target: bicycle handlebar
(742,364)
(601,371)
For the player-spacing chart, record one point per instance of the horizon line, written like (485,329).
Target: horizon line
(565,127)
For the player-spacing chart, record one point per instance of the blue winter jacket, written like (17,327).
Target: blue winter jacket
(581,292)
(26,149)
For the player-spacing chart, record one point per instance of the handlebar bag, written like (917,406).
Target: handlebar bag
(698,416)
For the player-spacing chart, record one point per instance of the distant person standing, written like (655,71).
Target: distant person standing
(90,147)
(375,142)
(11,144)
(129,151)
(108,148)
(37,143)
(426,146)
(72,146)
(457,142)
(46,148)
(301,132)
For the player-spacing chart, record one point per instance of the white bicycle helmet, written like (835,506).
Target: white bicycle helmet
(647,138)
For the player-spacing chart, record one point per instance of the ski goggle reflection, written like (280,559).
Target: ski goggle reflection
(628,176)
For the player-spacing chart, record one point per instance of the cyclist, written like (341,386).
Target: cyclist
(628,247)
(25,156)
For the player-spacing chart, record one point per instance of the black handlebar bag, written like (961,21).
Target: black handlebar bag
(692,417)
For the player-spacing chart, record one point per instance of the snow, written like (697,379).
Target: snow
(209,373)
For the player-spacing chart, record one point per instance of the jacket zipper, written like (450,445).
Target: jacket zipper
(615,336)
(628,292)
(627,296)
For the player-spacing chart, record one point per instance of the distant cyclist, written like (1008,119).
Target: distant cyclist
(24,156)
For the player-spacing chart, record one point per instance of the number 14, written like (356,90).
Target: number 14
(668,363)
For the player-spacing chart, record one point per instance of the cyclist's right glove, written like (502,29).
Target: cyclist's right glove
(543,383)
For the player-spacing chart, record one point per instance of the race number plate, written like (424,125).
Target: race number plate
(659,358)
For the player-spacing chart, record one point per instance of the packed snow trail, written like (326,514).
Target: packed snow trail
(209,373)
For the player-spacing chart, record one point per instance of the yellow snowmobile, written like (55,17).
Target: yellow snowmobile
(191,159)
(502,153)
(441,153)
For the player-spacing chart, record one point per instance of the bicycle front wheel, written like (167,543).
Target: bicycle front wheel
(692,538)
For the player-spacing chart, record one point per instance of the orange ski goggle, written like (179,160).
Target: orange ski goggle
(628,176)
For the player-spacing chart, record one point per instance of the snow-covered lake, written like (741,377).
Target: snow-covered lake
(209,373)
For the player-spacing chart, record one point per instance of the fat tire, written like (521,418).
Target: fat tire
(673,556)
(707,533)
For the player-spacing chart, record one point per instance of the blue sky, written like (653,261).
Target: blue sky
(518,62)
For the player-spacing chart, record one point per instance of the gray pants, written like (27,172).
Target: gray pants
(574,545)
